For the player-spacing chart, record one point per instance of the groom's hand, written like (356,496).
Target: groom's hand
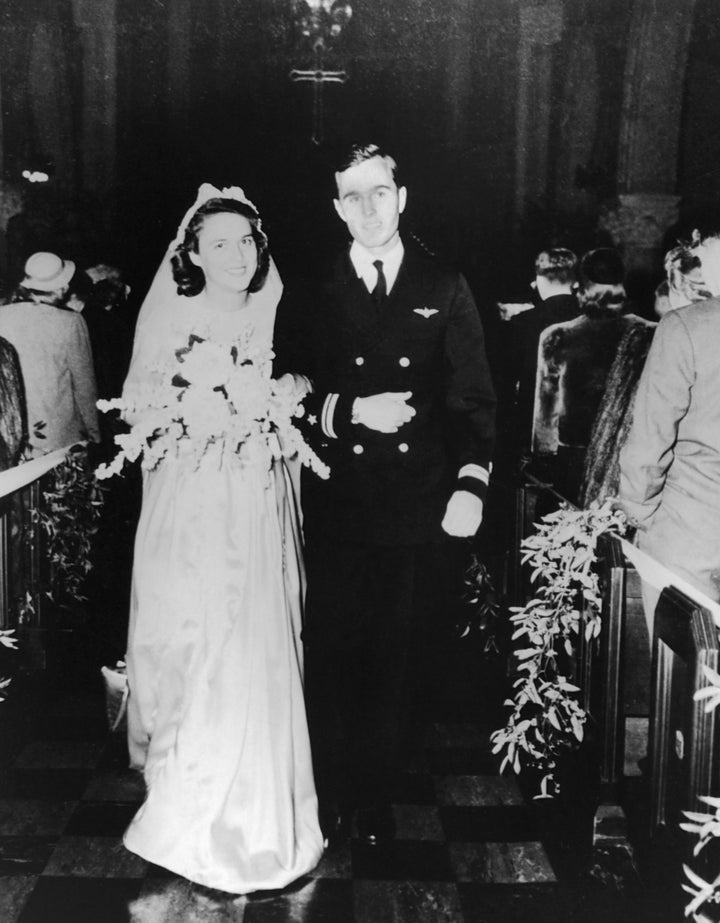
(385,412)
(463,515)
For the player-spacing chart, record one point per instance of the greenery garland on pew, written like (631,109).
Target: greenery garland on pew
(69,517)
(704,824)
(546,718)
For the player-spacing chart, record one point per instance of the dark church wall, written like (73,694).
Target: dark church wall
(245,122)
(498,161)
(699,168)
(587,91)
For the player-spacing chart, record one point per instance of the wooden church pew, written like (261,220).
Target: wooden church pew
(684,762)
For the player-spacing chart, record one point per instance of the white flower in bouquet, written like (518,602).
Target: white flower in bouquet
(205,364)
(204,414)
(249,392)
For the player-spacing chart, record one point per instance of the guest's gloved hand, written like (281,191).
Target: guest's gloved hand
(385,412)
(463,514)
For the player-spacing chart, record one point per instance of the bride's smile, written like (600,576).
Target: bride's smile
(227,254)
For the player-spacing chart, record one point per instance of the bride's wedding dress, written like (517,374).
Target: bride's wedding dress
(216,713)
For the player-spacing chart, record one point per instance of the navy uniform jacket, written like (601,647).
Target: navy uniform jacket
(391,488)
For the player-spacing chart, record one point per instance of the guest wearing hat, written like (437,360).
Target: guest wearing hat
(47,278)
(574,360)
(55,358)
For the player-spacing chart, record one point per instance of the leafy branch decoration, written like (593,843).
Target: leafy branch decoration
(69,516)
(545,716)
(481,604)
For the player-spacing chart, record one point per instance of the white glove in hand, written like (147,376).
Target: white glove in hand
(463,514)
(385,412)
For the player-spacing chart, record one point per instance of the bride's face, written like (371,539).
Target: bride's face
(227,253)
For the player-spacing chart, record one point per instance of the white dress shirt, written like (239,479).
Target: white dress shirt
(363,260)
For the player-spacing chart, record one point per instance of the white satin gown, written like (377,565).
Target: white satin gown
(216,717)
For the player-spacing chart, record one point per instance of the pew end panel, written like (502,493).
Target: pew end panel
(683,736)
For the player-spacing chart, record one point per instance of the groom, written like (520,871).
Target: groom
(402,410)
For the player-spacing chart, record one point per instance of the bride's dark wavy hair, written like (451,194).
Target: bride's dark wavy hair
(190,278)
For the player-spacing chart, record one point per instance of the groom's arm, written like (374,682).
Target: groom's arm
(303,347)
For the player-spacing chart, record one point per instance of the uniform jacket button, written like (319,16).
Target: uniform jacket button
(403,447)
(404,362)
(358,449)
(359,361)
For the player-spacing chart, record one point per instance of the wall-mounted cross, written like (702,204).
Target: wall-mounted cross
(318,76)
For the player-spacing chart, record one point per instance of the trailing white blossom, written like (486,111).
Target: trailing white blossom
(212,395)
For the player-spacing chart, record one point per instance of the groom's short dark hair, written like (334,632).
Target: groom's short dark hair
(358,153)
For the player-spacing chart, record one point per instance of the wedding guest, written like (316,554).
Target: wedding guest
(403,413)
(683,283)
(574,359)
(12,407)
(601,472)
(55,357)
(78,292)
(670,464)
(110,328)
(555,279)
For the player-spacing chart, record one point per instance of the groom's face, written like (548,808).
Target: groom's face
(370,203)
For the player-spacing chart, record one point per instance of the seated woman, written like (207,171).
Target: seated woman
(684,283)
(574,360)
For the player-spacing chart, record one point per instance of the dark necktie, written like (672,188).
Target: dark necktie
(380,290)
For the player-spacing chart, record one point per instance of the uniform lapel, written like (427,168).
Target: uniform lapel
(408,292)
(357,311)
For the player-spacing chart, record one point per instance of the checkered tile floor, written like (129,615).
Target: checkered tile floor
(469,849)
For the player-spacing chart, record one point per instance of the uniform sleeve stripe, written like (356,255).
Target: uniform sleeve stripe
(475,471)
(328,412)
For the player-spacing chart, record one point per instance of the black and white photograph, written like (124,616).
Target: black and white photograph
(359,461)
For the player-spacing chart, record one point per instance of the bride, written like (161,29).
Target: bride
(216,718)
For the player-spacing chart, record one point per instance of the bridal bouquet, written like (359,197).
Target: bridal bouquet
(212,394)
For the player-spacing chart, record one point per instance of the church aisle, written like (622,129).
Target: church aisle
(469,848)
